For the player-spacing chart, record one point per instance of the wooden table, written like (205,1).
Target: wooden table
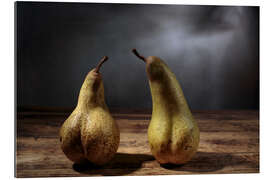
(229,144)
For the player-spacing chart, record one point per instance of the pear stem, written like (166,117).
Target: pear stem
(138,55)
(105,58)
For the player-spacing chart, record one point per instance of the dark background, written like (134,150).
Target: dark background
(213,50)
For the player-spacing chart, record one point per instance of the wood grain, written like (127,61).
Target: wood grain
(229,144)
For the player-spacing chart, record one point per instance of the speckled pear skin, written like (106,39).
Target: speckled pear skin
(90,132)
(173,134)
(70,138)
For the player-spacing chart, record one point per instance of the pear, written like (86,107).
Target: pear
(90,133)
(173,133)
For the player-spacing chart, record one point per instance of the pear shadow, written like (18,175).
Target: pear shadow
(206,162)
(203,162)
(121,164)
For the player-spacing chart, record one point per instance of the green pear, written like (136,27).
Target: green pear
(173,133)
(90,133)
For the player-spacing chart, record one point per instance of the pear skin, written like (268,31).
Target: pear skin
(173,133)
(70,137)
(90,133)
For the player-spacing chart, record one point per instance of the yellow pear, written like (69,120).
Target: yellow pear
(173,133)
(90,132)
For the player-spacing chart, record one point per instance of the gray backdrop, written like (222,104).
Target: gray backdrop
(213,50)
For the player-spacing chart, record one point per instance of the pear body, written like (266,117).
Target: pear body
(90,133)
(70,137)
(173,133)
(100,136)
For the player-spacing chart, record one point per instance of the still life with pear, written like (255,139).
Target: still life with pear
(90,134)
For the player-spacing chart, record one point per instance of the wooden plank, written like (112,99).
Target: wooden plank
(138,142)
(53,163)
(229,144)
(214,114)
(46,126)
(50,161)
